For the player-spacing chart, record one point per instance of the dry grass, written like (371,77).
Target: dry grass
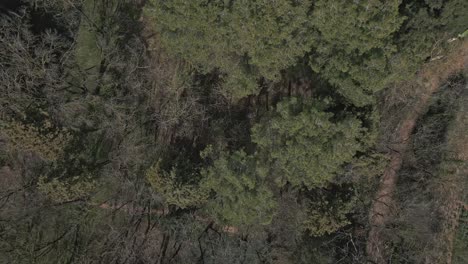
(453,182)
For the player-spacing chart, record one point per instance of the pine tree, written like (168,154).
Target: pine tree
(303,145)
(242,197)
(245,40)
(353,44)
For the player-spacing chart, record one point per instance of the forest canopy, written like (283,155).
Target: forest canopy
(241,131)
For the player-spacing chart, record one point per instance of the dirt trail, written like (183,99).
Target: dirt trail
(431,78)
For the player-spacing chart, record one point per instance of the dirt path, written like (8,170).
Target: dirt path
(431,78)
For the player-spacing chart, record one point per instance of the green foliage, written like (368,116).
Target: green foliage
(423,34)
(131,89)
(175,193)
(47,142)
(369,167)
(358,46)
(463,35)
(245,40)
(327,213)
(453,17)
(353,44)
(415,43)
(60,191)
(242,196)
(303,145)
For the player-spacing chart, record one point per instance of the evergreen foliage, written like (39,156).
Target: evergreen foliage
(353,44)
(271,123)
(327,213)
(242,196)
(303,145)
(244,40)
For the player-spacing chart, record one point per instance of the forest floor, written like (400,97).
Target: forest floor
(454,170)
(430,79)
